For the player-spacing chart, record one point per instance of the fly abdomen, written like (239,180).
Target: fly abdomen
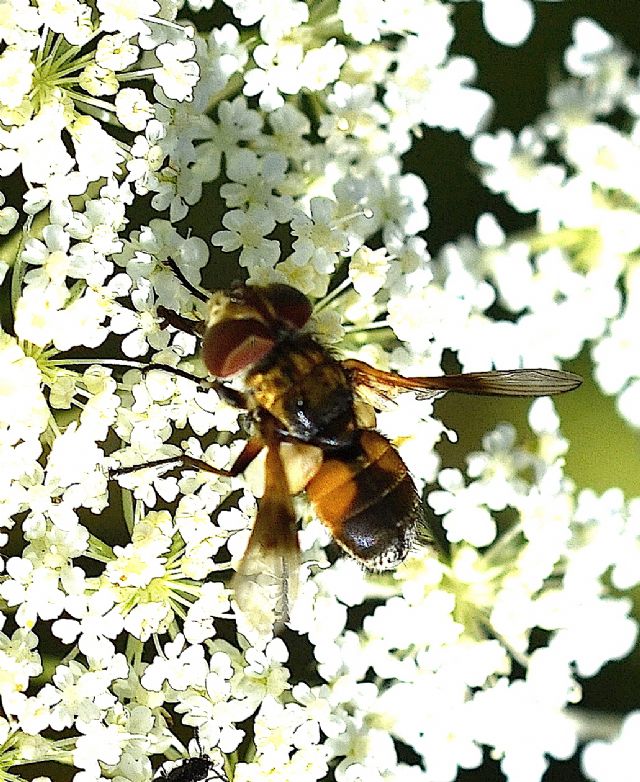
(367,499)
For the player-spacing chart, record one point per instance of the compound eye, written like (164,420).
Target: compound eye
(233,345)
(291,306)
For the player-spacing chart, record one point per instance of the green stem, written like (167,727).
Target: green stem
(18,265)
(77,66)
(134,651)
(43,47)
(99,550)
(320,305)
(502,543)
(133,75)
(321,10)
(107,362)
(520,657)
(233,87)
(60,39)
(230,762)
(89,101)
(379,324)
(128,510)
(566,238)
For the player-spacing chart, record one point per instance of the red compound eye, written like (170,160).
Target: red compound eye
(292,308)
(233,345)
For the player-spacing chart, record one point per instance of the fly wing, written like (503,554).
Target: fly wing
(266,581)
(380,389)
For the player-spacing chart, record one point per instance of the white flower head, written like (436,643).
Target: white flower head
(277,73)
(613,761)
(133,109)
(23,408)
(248,230)
(368,269)
(362,19)
(508,22)
(126,18)
(16,74)
(178,74)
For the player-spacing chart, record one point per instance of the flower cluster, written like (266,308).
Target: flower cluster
(574,279)
(120,638)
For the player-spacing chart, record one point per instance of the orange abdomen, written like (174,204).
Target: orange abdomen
(367,499)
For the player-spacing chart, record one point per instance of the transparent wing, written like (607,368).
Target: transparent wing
(266,581)
(380,388)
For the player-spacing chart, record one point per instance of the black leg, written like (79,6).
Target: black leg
(230,395)
(202,295)
(185,462)
(179,322)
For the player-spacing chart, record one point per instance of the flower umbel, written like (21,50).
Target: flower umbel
(290,126)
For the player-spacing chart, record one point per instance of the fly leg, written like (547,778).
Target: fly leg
(186,462)
(230,395)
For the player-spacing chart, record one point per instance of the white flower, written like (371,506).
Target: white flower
(247,11)
(248,230)
(178,74)
(23,409)
(95,621)
(508,22)
(97,153)
(254,181)
(79,692)
(514,167)
(628,403)
(319,237)
(37,311)
(136,565)
(32,714)
(591,44)
(499,712)
(181,666)
(199,623)
(20,661)
(60,183)
(278,72)
(34,589)
(368,270)
(362,19)
(479,639)
(116,52)
(97,80)
(52,255)
(64,17)
(133,109)
(8,218)
(98,743)
(265,674)
(321,66)
(126,18)
(18,24)
(16,74)
(464,517)
(282,17)
(605,156)
(616,760)
(576,637)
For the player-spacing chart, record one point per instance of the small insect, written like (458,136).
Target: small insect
(314,419)
(197,769)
